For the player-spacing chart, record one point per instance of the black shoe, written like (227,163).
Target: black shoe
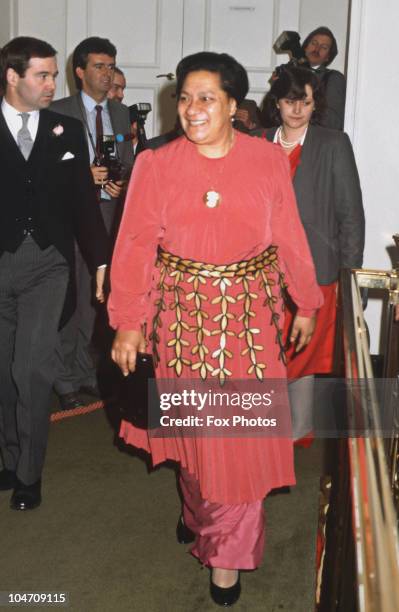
(184,535)
(91,390)
(26,497)
(8,480)
(69,401)
(226,596)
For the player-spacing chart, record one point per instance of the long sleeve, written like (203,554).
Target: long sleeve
(136,247)
(289,235)
(348,205)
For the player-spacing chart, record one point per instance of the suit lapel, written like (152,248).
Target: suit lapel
(43,149)
(308,150)
(117,126)
(113,116)
(41,136)
(79,112)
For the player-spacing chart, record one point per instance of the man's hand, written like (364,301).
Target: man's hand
(114,188)
(125,348)
(302,331)
(397,312)
(100,276)
(100,175)
(243,115)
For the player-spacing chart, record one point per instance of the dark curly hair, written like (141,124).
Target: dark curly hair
(233,76)
(324,32)
(291,84)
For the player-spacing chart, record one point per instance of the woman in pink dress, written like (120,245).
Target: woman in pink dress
(209,237)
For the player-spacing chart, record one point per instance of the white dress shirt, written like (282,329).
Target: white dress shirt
(13,119)
(90,107)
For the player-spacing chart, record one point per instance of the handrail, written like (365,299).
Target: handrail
(373,512)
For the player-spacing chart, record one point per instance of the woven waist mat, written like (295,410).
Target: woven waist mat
(182,282)
(267,258)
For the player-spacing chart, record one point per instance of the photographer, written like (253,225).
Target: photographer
(320,49)
(317,51)
(93,65)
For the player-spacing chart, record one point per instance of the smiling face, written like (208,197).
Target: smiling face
(318,50)
(36,89)
(296,114)
(205,111)
(98,75)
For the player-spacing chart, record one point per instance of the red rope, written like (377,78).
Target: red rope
(66,414)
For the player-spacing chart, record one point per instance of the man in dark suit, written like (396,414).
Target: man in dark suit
(48,197)
(93,65)
(320,48)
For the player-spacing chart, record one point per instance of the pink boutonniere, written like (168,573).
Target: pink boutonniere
(58,130)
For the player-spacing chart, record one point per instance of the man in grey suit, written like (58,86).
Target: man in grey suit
(93,65)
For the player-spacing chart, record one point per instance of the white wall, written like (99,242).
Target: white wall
(148,36)
(5,8)
(372,121)
(49,25)
(194,24)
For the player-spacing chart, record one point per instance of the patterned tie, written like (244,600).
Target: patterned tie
(99,130)
(24,139)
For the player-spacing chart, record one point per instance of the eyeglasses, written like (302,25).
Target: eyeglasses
(324,46)
(102,67)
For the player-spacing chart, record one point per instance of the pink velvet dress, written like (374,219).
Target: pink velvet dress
(165,207)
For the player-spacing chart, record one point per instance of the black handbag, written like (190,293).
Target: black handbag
(140,399)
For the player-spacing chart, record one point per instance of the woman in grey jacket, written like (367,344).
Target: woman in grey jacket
(329,198)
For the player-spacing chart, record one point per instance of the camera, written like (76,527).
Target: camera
(290,42)
(109,159)
(138,114)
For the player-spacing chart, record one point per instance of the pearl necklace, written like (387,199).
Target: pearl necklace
(284,143)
